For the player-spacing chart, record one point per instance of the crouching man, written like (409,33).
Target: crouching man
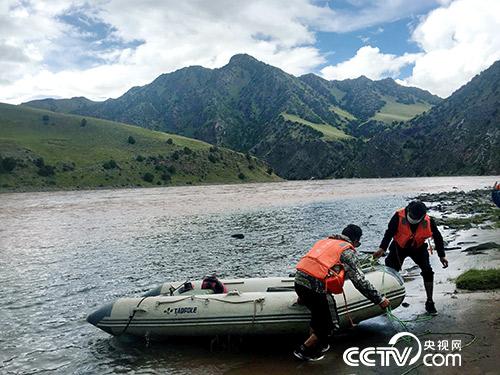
(322,266)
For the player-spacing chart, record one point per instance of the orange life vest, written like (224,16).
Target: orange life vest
(404,236)
(323,263)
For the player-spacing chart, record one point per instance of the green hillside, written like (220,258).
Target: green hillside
(240,106)
(394,111)
(330,133)
(46,150)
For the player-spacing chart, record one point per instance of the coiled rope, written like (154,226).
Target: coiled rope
(420,318)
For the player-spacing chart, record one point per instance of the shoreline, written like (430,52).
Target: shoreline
(280,180)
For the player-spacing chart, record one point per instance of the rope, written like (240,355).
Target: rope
(420,318)
(347,310)
(474,338)
(132,316)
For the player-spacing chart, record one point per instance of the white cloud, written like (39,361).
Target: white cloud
(174,34)
(41,53)
(459,40)
(370,62)
(367,13)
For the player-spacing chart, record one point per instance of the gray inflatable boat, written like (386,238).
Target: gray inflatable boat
(251,306)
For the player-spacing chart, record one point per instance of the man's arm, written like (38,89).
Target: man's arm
(438,239)
(348,259)
(392,228)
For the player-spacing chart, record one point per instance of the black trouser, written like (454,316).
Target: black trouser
(321,318)
(419,255)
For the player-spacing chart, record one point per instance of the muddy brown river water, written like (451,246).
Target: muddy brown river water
(62,254)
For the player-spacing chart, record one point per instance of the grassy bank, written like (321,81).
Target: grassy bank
(479,279)
(43,150)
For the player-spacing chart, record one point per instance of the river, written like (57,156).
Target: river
(62,254)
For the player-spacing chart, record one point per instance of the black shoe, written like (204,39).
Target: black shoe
(325,348)
(430,308)
(308,354)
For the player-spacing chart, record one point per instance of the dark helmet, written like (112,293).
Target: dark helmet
(353,232)
(415,212)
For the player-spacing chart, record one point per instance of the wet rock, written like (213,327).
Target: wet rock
(484,246)
(405,304)
(239,236)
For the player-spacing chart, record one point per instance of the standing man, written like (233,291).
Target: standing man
(327,259)
(409,230)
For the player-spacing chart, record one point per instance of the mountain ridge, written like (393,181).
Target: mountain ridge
(290,122)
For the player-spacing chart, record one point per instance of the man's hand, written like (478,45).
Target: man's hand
(444,261)
(379,253)
(384,303)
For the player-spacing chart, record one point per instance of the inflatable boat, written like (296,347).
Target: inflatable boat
(251,306)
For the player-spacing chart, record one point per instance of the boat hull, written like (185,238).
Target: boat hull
(269,309)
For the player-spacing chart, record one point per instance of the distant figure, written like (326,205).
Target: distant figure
(495,194)
(409,230)
(321,271)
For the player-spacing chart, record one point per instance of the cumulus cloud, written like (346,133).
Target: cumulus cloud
(148,40)
(458,41)
(101,48)
(370,62)
(367,13)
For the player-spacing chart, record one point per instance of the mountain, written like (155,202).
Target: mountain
(459,136)
(42,150)
(250,106)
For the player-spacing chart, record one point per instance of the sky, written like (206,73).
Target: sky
(101,48)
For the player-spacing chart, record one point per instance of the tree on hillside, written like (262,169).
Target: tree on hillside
(131,140)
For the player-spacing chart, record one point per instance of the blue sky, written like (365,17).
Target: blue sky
(99,49)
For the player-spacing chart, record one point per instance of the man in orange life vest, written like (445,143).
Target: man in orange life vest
(322,268)
(409,229)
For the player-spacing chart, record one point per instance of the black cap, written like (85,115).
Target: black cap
(353,232)
(416,210)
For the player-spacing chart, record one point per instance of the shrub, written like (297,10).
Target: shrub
(139,158)
(170,141)
(214,149)
(131,140)
(251,167)
(39,162)
(83,122)
(68,167)
(46,171)
(171,169)
(241,176)
(110,164)
(175,155)
(212,158)
(269,170)
(7,164)
(148,177)
(166,176)
(187,150)
(45,119)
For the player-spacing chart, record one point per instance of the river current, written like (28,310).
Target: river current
(63,254)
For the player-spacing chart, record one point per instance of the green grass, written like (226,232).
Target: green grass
(479,279)
(339,111)
(61,140)
(330,133)
(394,111)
